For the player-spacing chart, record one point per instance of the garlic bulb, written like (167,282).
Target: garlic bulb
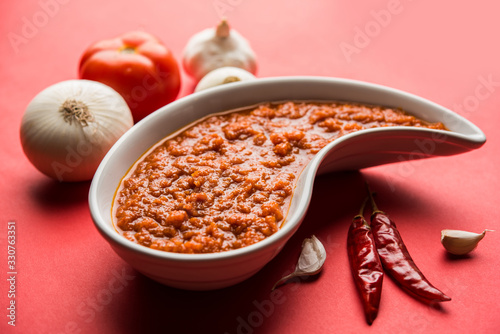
(68,128)
(213,48)
(222,76)
(461,242)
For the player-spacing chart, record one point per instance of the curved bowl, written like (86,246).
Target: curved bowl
(354,151)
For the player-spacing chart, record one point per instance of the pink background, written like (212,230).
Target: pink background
(70,281)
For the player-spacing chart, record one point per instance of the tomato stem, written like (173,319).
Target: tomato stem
(127,49)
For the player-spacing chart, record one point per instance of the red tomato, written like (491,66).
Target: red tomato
(138,66)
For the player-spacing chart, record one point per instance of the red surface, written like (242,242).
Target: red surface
(70,281)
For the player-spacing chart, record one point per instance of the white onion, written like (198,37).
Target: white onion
(68,128)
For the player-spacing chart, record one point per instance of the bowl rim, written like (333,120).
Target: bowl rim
(109,232)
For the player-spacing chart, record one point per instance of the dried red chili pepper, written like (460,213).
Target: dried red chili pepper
(365,264)
(397,260)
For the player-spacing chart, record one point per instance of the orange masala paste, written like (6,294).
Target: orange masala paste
(226,182)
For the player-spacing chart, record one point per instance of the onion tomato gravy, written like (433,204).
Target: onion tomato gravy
(226,181)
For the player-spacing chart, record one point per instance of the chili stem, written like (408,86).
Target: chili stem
(370,194)
(362,209)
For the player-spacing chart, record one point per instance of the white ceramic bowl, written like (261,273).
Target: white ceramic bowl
(354,151)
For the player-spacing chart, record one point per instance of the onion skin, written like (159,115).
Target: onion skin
(67,146)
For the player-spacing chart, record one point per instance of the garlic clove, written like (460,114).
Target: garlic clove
(222,76)
(312,257)
(311,260)
(461,242)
